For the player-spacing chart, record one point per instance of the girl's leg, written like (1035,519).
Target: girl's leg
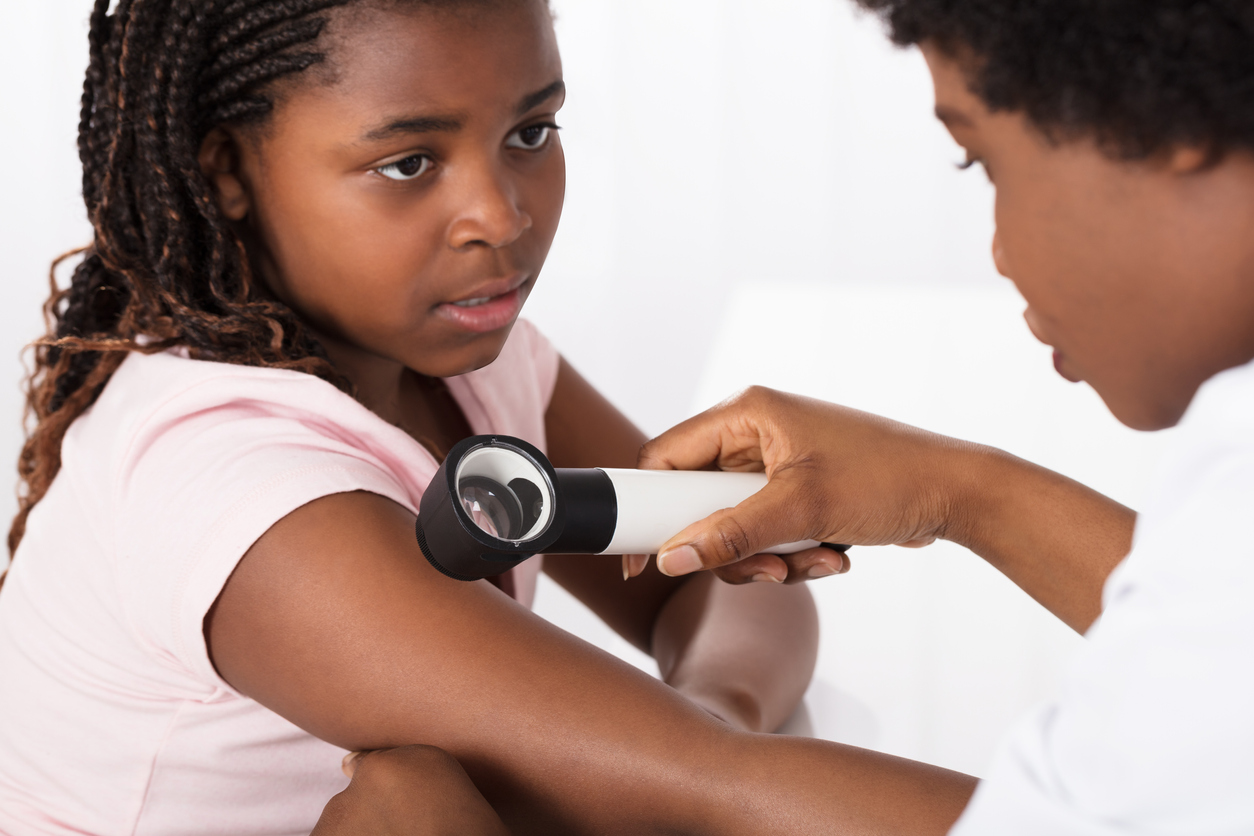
(411,791)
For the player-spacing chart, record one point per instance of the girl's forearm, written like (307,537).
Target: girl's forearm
(368,649)
(744,653)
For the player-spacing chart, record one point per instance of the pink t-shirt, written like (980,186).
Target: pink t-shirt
(112,718)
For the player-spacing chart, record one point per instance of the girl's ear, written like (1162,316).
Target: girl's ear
(220,163)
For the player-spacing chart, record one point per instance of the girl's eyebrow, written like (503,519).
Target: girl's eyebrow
(452,124)
(414,125)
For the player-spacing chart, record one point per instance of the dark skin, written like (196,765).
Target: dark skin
(423,174)
(410,791)
(1139,274)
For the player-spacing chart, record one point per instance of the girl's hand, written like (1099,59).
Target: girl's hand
(836,475)
(411,791)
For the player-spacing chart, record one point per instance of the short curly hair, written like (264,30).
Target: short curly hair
(1139,76)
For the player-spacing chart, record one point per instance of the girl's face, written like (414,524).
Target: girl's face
(405,208)
(1137,273)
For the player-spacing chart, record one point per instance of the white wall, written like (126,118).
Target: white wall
(43,54)
(758,193)
(714,142)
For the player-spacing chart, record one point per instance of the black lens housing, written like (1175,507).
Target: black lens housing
(582,514)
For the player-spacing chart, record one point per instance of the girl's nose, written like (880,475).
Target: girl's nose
(489,213)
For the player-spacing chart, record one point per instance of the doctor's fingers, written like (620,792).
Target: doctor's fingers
(634,565)
(752,431)
(801,567)
(786,510)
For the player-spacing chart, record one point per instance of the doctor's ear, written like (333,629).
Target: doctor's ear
(220,162)
(1190,159)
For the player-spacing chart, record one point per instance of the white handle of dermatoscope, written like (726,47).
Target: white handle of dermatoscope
(655,505)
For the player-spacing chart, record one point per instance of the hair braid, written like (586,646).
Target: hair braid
(165,268)
(261,47)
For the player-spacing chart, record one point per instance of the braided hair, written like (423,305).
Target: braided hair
(165,268)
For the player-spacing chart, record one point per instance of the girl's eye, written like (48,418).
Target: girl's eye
(532,138)
(410,168)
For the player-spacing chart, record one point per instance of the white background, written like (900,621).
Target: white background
(758,193)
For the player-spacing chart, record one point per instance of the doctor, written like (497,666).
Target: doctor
(1120,138)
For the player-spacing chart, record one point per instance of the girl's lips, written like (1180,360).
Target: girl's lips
(1059,360)
(498,312)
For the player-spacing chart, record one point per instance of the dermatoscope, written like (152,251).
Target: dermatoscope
(497,501)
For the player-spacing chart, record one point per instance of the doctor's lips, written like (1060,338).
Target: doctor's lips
(488,307)
(1059,361)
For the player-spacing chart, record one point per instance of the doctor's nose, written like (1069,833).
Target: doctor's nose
(999,256)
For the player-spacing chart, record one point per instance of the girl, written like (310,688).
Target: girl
(316,223)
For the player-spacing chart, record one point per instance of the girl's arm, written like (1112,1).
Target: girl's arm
(335,621)
(746,654)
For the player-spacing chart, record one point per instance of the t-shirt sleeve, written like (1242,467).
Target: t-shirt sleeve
(201,482)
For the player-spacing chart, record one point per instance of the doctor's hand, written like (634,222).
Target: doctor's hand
(837,475)
(411,791)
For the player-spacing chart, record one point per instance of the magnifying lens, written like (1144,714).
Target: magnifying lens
(497,501)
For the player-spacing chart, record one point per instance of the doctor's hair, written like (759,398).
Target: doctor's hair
(165,269)
(1140,77)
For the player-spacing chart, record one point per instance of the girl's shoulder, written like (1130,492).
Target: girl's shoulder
(152,395)
(166,422)
(149,388)
(166,419)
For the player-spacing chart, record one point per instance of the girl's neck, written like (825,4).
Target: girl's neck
(377,381)
(421,406)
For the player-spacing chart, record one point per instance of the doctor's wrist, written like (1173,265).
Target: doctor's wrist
(975,483)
